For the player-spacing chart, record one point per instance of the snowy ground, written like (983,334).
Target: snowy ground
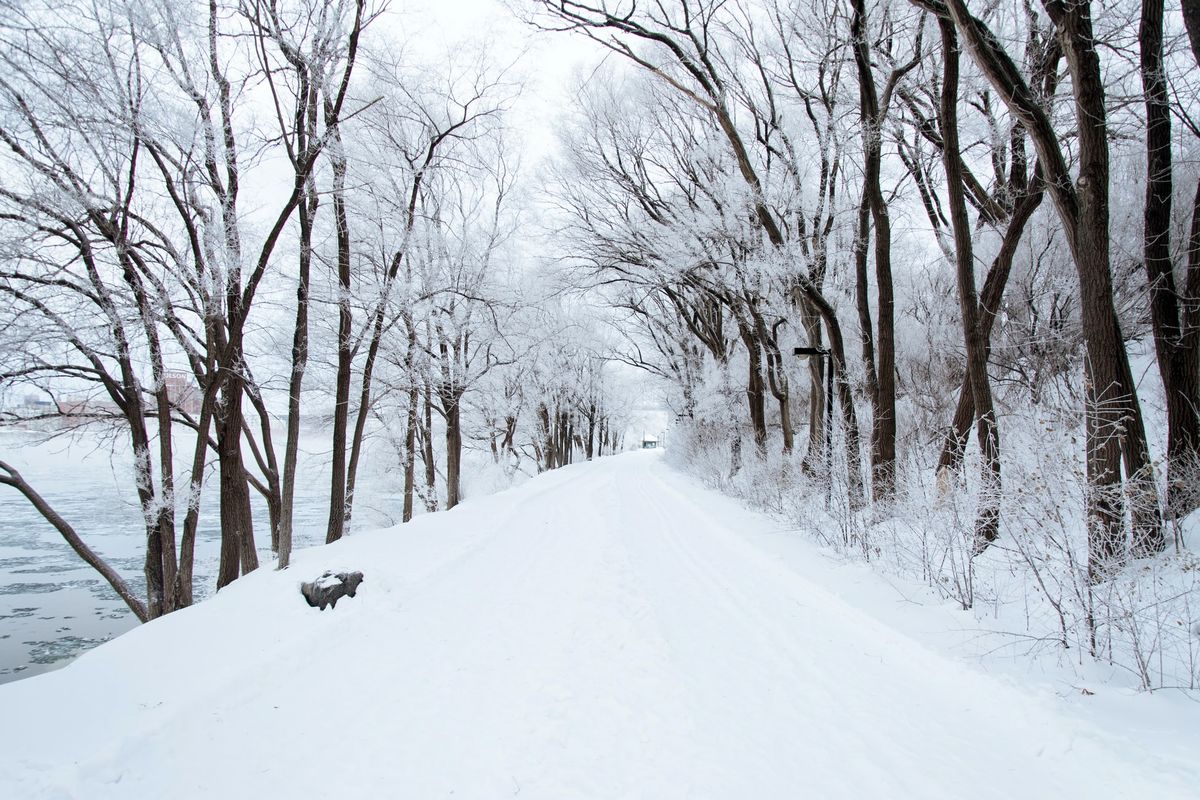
(607,630)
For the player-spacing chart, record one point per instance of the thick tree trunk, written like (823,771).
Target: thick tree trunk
(154,515)
(814,454)
(451,400)
(152,567)
(992,296)
(777,380)
(883,425)
(785,422)
(165,524)
(590,452)
(987,523)
(1113,416)
(1191,21)
(1108,396)
(564,438)
(755,391)
(238,555)
(1176,363)
(862,298)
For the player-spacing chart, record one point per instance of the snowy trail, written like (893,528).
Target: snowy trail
(607,631)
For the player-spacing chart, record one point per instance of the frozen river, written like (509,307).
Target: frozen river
(52,605)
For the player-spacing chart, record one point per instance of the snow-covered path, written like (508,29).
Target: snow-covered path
(606,631)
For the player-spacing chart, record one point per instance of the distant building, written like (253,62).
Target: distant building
(36,404)
(183,394)
(85,407)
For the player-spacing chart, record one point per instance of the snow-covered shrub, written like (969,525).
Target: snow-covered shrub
(1031,588)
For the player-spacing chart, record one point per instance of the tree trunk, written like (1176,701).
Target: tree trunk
(1175,361)
(410,452)
(410,420)
(1113,416)
(564,439)
(987,522)
(159,568)
(755,391)
(1191,21)
(785,422)
(883,426)
(431,503)
(338,499)
(306,212)
(508,444)
(992,296)
(238,555)
(452,402)
(590,452)
(777,380)
(814,455)
(187,544)
(546,445)
(862,298)
(168,555)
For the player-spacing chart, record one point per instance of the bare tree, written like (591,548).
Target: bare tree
(1177,347)
(316,46)
(879,353)
(412,130)
(685,41)
(987,526)
(1114,422)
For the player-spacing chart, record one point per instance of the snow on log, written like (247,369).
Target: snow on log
(327,589)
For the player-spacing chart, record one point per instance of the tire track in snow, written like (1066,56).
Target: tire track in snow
(898,747)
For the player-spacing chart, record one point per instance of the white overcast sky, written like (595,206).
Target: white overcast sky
(546,61)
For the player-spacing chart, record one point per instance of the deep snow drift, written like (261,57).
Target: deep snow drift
(606,630)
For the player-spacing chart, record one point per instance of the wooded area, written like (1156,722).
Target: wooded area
(146,292)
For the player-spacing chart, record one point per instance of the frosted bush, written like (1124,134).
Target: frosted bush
(1144,620)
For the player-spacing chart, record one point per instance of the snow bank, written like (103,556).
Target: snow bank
(605,630)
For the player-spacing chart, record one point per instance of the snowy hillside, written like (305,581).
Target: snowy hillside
(606,630)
